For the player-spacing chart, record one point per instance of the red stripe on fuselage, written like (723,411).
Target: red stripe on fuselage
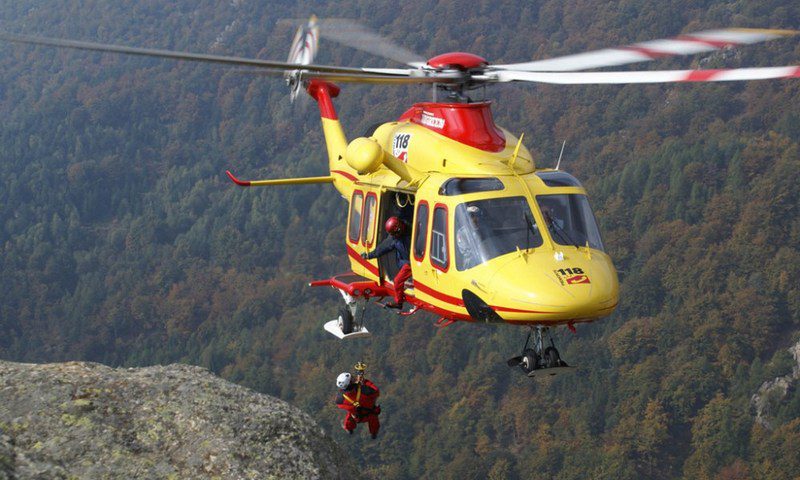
(345,175)
(460,303)
(438,295)
(516,310)
(355,256)
(448,314)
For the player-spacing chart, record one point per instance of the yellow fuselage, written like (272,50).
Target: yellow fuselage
(552,283)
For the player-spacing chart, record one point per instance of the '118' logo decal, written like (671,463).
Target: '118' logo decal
(571,276)
(400,146)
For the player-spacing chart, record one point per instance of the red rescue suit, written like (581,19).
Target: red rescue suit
(358,400)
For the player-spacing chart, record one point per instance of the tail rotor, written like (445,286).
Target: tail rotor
(302,52)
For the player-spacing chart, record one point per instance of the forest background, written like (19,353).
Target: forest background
(122,242)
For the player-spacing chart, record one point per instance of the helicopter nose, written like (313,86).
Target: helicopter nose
(524,290)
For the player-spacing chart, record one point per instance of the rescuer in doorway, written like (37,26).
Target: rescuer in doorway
(357,396)
(399,241)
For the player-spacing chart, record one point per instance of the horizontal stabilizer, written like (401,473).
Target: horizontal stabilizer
(279,181)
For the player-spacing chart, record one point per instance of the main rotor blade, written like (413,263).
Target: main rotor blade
(656,76)
(366,77)
(355,35)
(196,57)
(381,79)
(688,44)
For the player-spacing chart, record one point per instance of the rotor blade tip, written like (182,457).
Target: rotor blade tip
(772,31)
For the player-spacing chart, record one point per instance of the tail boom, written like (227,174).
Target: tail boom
(335,139)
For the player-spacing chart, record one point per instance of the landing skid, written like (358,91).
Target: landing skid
(350,321)
(333,327)
(349,324)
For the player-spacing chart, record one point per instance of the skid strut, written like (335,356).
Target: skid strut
(349,323)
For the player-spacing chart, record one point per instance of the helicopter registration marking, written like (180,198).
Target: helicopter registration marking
(428,119)
(400,146)
(571,276)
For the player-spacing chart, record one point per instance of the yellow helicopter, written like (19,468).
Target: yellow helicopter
(494,238)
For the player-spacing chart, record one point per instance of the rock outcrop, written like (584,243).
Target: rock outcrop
(85,420)
(773,392)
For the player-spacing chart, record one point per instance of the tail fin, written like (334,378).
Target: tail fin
(335,139)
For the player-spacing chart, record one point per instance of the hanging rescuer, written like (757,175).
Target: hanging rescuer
(357,396)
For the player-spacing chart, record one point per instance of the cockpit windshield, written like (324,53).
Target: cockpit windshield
(486,229)
(570,220)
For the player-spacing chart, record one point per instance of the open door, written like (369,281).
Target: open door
(393,204)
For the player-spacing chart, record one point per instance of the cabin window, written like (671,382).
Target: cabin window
(558,179)
(421,230)
(462,186)
(368,229)
(486,229)
(439,257)
(570,221)
(356,204)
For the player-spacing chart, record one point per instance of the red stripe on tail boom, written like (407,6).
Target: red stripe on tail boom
(322,92)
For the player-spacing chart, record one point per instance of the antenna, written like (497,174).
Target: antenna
(513,158)
(558,164)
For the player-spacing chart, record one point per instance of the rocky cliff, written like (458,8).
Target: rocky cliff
(85,420)
(773,393)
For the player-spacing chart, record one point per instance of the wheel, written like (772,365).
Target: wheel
(530,361)
(345,320)
(551,357)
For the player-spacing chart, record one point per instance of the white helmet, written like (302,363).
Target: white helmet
(343,380)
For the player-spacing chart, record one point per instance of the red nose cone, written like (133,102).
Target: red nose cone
(458,60)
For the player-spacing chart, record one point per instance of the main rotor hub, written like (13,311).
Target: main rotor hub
(457,60)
